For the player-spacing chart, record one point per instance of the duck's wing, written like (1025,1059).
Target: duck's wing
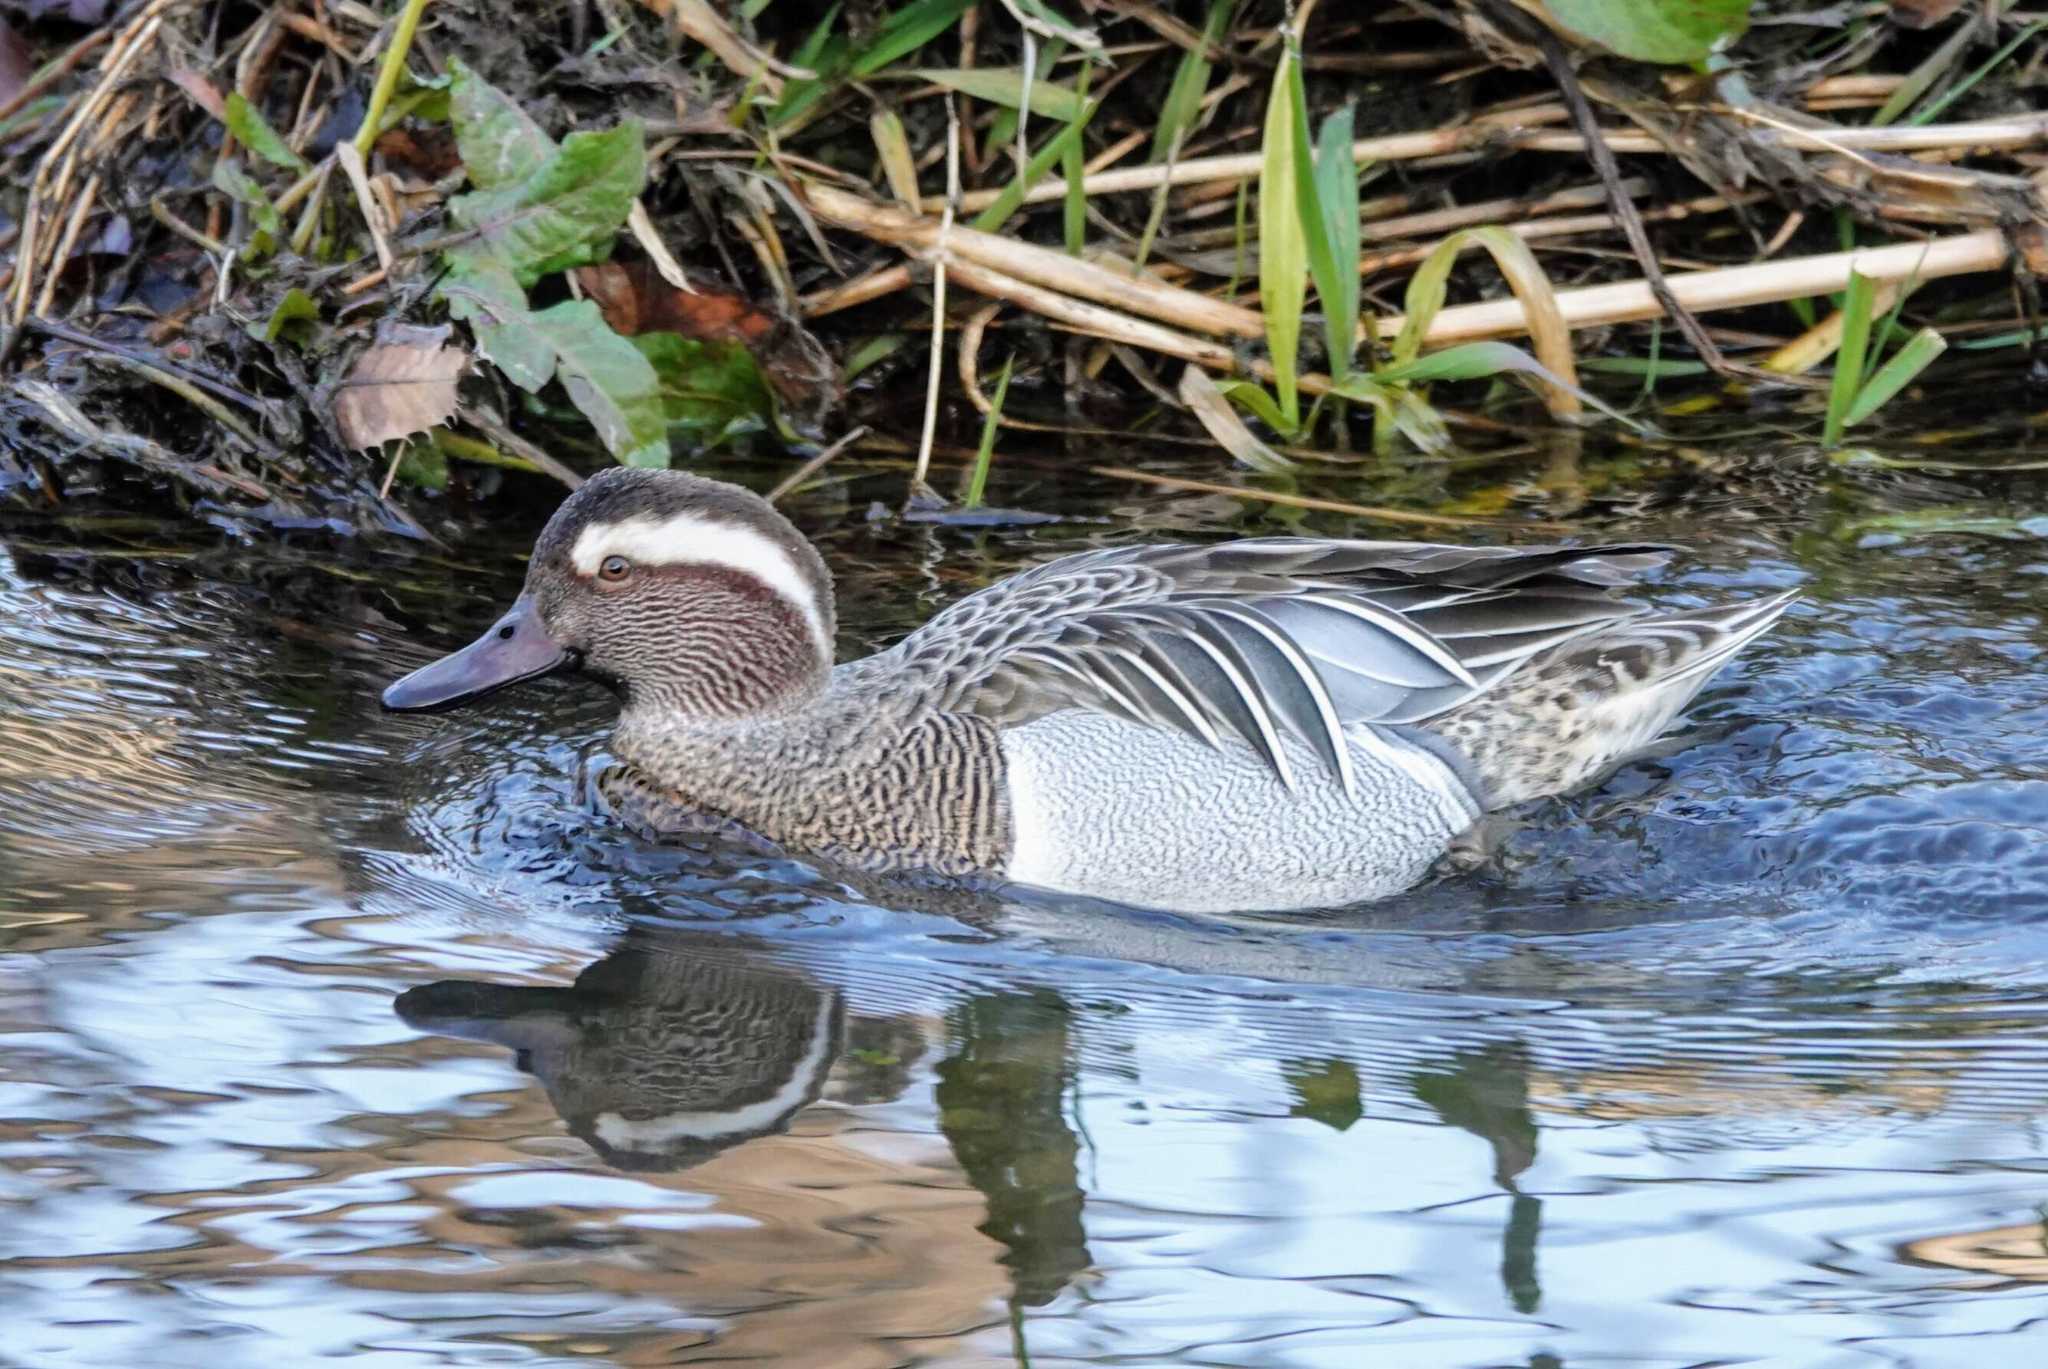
(1255,641)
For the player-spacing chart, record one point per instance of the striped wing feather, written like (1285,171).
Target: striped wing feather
(1257,641)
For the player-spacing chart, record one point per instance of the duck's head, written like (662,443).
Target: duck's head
(690,597)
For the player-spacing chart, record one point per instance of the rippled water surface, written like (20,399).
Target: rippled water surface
(332,1034)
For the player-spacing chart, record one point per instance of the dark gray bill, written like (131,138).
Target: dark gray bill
(516,648)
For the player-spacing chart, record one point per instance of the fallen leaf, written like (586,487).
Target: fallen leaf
(634,299)
(203,92)
(403,385)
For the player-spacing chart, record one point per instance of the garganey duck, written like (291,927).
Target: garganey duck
(1253,725)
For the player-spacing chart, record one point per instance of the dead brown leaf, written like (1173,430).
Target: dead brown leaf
(403,385)
(634,299)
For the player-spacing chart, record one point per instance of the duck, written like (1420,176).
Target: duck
(1258,725)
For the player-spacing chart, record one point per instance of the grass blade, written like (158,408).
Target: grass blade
(1909,361)
(977,483)
(1200,394)
(1336,175)
(1283,244)
(1848,377)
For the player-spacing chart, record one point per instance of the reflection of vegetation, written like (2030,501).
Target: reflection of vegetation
(1486,1092)
(1002,1105)
(1325,1091)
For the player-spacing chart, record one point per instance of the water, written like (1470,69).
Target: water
(335,1035)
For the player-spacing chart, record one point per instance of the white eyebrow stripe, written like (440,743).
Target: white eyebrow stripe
(687,539)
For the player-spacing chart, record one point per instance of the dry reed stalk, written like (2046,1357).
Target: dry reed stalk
(1732,287)
(1036,265)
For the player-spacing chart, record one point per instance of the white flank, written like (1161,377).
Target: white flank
(615,1130)
(684,539)
(1033,857)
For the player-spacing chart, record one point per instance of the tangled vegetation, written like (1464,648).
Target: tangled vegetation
(319,260)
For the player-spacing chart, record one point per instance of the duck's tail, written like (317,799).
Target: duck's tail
(1578,710)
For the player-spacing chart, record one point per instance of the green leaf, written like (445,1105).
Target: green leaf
(1207,401)
(1190,83)
(484,295)
(821,52)
(1425,298)
(1909,361)
(1011,198)
(566,213)
(1283,243)
(258,136)
(1004,86)
(1477,361)
(1336,173)
(425,465)
(239,186)
(609,379)
(991,423)
(289,320)
(1675,31)
(711,390)
(498,141)
(1857,303)
(905,31)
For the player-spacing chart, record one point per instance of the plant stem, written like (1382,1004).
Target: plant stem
(388,74)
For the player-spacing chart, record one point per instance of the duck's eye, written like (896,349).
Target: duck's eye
(614,569)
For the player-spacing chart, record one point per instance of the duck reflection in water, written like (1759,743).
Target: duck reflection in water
(657,1060)
(673,1048)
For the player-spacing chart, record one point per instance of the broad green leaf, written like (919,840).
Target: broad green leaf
(712,390)
(239,186)
(1004,86)
(484,295)
(1909,361)
(905,31)
(609,379)
(1654,30)
(290,320)
(1283,244)
(1336,173)
(258,136)
(498,141)
(566,213)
